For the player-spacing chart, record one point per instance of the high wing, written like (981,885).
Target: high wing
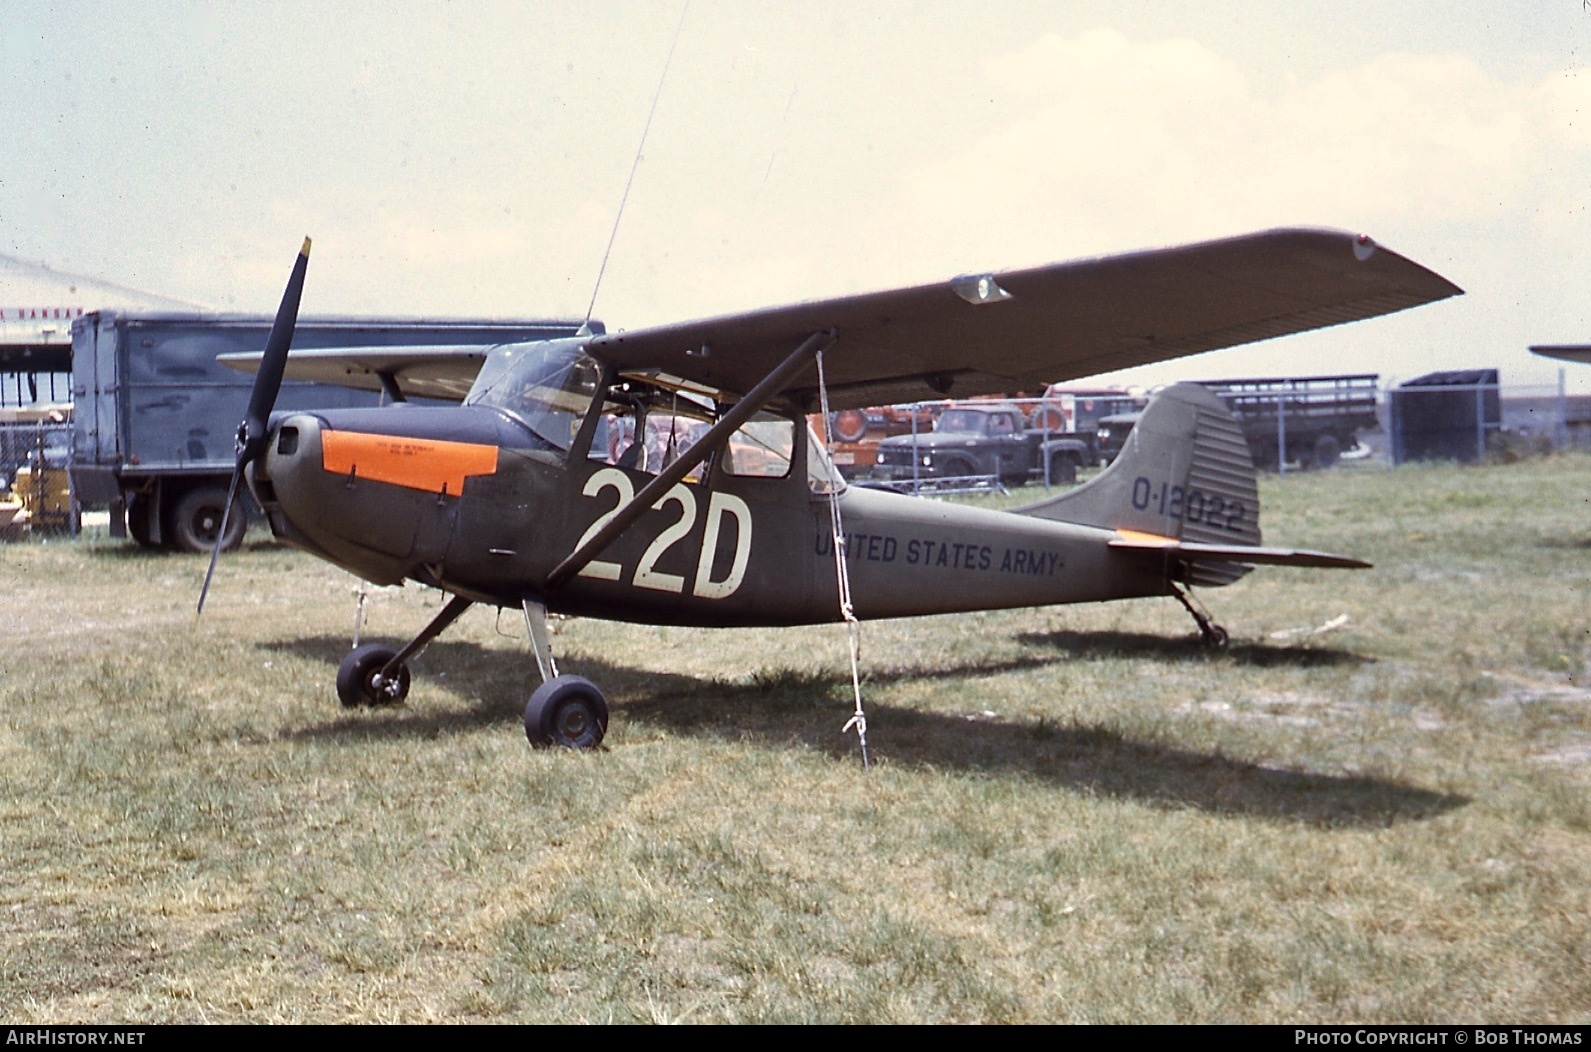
(1022,329)
(1565,352)
(975,334)
(430,371)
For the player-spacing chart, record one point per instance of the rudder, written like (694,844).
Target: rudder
(1184,474)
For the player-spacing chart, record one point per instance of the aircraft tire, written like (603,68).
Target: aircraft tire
(196,520)
(567,711)
(1217,638)
(356,677)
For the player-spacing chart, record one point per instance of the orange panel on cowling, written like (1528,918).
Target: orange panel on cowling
(419,463)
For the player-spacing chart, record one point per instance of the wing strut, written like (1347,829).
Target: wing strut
(755,399)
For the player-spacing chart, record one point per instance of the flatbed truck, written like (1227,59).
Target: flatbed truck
(1308,420)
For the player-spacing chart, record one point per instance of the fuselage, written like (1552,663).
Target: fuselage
(485,499)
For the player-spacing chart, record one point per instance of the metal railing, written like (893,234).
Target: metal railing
(19,388)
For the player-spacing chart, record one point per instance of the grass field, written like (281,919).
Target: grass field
(1074,814)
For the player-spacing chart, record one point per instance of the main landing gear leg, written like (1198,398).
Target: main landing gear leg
(1211,634)
(540,641)
(565,710)
(375,674)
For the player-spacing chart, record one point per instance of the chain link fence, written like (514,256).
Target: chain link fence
(1288,429)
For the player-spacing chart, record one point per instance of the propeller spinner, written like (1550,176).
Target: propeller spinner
(254,431)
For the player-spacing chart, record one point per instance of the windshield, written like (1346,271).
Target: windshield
(960,420)
(546,385)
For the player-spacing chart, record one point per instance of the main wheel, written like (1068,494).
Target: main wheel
(196,520)
(569,711)
(356,678)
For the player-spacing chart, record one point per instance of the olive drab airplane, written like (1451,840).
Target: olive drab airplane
(667,475)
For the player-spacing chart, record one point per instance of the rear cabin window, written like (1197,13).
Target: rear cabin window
(761,448)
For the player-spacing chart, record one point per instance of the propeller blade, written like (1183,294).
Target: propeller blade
(255,428)
(268,381)
(215,553)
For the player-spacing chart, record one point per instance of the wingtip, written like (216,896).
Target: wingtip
(305,250)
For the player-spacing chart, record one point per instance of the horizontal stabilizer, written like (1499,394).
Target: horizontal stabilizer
(1193,551)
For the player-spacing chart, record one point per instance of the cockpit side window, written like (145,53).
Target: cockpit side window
(646,428)
(762,447)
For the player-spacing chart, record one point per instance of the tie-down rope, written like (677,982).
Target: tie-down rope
(842,574)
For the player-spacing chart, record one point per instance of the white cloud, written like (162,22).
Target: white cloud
(1159,141)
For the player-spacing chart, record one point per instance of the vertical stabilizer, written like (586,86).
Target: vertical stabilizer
(1184,474)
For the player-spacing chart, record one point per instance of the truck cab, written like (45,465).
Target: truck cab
(981,441)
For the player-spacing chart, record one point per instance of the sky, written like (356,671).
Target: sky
(470,158)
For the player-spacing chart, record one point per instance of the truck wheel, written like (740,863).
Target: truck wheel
(1047,418)
(850,425)
(196,520)
(955,467)
(1063,468)
(138,520)
(1327,451)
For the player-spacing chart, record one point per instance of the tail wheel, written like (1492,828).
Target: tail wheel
(567,711)
(359,680)
(850,425)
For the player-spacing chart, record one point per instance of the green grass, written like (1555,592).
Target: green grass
(1074,814)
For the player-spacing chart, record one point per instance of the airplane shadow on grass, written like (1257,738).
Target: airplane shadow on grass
(1566,543)
(1186,649)
(787,707)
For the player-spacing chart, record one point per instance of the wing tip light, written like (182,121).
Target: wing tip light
(978,289)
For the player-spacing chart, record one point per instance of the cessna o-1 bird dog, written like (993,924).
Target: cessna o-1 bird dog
(667,475)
